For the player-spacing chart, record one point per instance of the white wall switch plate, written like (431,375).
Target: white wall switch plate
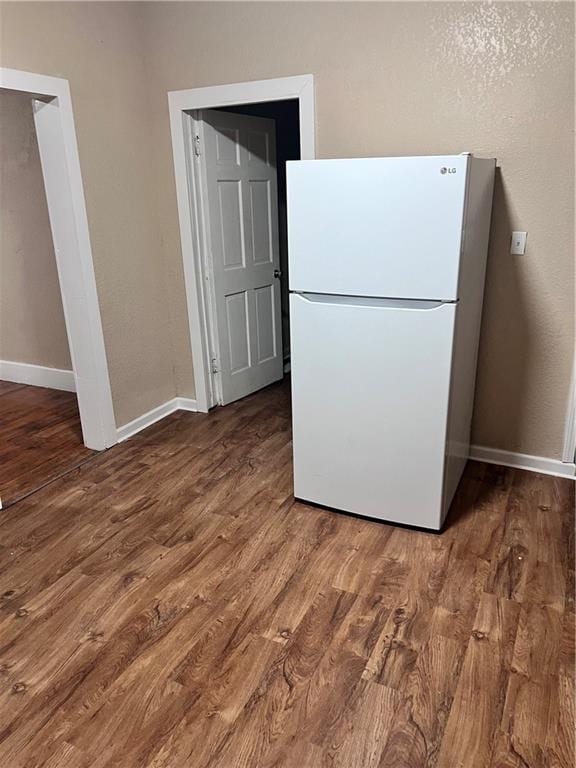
(518,243)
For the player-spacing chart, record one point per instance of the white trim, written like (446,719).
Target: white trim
(156,414)
(181,103)
(37,375)
(146,420)
(569,448)
(522,461)
(54,120)
(186,404)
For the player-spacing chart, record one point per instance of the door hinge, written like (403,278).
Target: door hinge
(197,145)
(214,367)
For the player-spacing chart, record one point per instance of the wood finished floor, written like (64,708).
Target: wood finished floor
(40,437)
(168,604)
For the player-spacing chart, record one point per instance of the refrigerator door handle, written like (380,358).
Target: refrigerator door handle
(367,301)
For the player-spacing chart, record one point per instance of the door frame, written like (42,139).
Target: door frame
(189,195)
(569,448)
(56,135)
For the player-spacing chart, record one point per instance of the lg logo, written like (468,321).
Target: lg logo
(444,170)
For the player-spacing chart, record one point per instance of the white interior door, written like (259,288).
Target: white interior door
(239,176)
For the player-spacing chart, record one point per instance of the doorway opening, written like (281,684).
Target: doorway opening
(40,430)
(55,395)
(231,144)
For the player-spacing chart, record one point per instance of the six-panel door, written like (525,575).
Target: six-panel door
(240,183)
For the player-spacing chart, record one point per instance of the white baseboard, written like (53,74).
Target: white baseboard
(186,404)
(37,375)
(151,417)
(522,461)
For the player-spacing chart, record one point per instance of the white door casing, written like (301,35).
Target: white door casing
(54,121)
(237,155)
(182,104)
(569,449)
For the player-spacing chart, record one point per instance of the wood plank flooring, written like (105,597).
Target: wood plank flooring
(40,437)
(169,605)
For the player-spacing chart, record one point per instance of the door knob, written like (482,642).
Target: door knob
(278,273)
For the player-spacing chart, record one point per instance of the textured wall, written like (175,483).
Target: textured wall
(32,326)
(391,78)
(98,48)
(416,78)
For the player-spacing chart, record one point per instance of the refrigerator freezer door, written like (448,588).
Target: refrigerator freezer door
(376,227)
(370,386)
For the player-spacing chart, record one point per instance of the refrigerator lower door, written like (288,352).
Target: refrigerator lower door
(370,387)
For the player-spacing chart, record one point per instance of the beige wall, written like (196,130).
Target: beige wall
(98,48)
(414,78)
(391,78)
(32,328)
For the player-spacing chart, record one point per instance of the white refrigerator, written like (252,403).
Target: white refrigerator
(387,260)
